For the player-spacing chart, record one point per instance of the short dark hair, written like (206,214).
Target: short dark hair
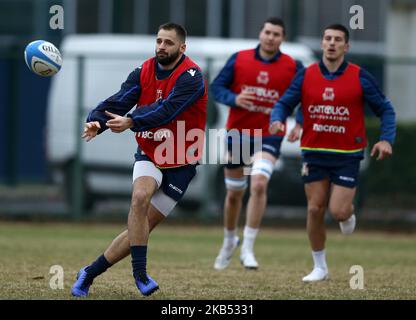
(180,30)
(339,27)
(275,21)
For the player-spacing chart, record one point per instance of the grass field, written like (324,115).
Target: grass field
(181,259)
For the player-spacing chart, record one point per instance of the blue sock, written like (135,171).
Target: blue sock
(138,260)
(98,267)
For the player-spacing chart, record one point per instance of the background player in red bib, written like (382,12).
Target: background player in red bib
(332,93)
(250,84)
(170,93)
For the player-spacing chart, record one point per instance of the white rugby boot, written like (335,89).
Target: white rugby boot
(248,260)
(226,253)
(317,274)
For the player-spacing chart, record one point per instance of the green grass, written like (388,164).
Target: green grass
(181,259)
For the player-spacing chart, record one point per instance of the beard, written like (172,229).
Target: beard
(167,59)
(270,52)
(270,49)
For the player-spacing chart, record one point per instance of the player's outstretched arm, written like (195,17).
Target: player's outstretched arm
(90,130)
(383,148)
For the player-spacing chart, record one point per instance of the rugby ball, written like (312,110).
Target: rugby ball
(43,58)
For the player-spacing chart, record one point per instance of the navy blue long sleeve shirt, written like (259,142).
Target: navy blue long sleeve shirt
(220,87)
(188,88)
(379,104)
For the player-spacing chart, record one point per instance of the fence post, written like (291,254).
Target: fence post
(207,171)
(77,201)
(11,119)
(294,9)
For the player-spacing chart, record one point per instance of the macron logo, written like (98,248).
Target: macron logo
(192,72)
(175,188)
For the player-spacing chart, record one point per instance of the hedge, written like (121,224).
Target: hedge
(394,178)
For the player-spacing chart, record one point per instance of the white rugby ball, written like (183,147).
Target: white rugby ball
(43,58)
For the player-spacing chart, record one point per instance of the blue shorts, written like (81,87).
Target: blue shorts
(339,169)
(270,144)
(175,181)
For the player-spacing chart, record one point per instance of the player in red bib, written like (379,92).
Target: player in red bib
(250,84)
(332,94)
(171,96)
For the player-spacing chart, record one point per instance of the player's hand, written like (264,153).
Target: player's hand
(90,130)
(118,123)
(294,134)
(383,148)
(245,100)
(276,126)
